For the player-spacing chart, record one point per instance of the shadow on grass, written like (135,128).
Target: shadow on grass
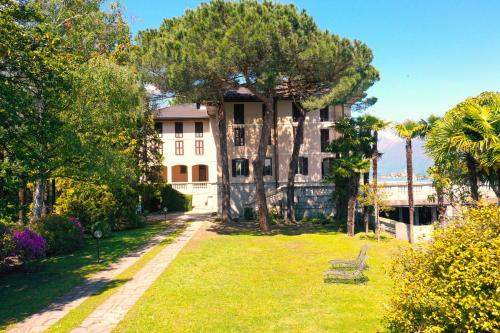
(23,293)
(251,228)
(371,236)
(361,280)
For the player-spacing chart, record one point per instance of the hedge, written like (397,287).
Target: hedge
(157,196)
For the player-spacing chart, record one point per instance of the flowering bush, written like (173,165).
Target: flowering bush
(453,284)
(29,244)
(63,234)
(78,225)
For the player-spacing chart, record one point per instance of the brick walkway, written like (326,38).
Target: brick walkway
(114,309)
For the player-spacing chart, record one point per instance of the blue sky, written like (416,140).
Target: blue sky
(431,54)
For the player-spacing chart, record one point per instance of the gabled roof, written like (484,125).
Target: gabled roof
(181,111)
(241,94)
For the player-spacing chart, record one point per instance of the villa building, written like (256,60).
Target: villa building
(191,159)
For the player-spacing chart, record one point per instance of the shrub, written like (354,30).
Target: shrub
(63,235)
(104,227)
(453,283)
(99,203)
(29,245)
(7,244)
(174,200)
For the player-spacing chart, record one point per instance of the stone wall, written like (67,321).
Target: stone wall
(310,199)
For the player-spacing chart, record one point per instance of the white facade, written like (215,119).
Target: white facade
(190,157)
(247,126)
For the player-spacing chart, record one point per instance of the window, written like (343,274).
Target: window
(239,114)
(326,167)
(203,174)
(179,129)
(325,139)
(268,167)
(323,114)
(303,166)
(295,112)
(240,167)
(295,134)
(183,169)
(159,128)
(198,129)
(338,112)
(179,148)
(198,147)
(239,136)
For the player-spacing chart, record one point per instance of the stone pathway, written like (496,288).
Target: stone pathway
(114,309)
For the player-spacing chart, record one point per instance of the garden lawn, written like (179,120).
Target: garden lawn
(76,316)
(246,282)
(25,293)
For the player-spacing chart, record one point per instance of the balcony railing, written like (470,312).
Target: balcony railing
(193,187)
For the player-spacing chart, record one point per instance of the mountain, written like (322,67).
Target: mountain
(393,152)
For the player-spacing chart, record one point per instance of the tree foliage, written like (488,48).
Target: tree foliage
(468,138)
(452,284)
(353,159)
(269,48)
(72,107)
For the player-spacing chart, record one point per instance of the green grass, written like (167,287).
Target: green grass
(73,319)
(24,293)
(241,281)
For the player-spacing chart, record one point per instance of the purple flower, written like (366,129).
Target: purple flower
(29,244)
(78,225)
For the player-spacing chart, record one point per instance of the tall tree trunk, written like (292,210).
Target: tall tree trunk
(46,199)
(53,197)
(341,199)
(375,181)
(258,167)
(494,180)
(473,178)
(226,187)
(351,203)
(38,196)
(366,221)
(292,167)
(441,207)
(409,172)
(22,202)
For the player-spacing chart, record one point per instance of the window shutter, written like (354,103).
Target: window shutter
(234,167)
(159,127)
(247,171)
(305,166)
(239,113)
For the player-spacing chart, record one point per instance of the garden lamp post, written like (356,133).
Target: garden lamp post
(165,210)
(98,235)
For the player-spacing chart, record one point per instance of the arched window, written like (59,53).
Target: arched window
(200,173)
(179,174)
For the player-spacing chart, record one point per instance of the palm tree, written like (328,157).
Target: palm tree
(409,130)
(470,134)
(352,161)
(376,125)
(440,182)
